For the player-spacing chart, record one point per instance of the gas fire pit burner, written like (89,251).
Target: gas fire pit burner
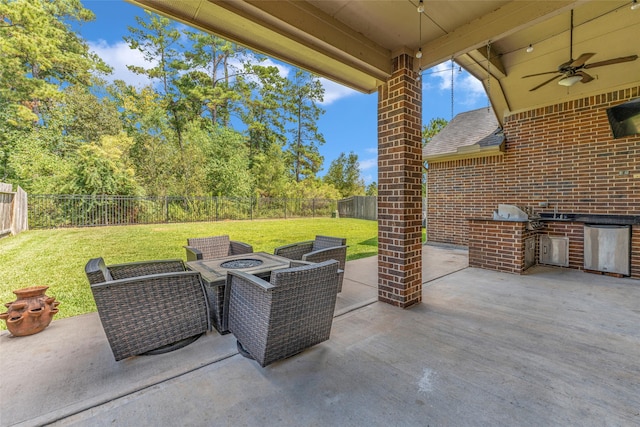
(241,263)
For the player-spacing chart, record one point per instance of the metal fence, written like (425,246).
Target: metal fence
(51,211)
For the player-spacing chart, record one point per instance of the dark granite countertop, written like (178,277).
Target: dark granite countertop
(592,218)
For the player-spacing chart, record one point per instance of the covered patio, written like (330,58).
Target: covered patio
(475,347)
(531,56)
(557,347)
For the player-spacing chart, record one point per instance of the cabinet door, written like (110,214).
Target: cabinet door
(607,248)
(554,250)
(529,252)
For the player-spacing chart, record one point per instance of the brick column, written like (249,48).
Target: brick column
(399,186)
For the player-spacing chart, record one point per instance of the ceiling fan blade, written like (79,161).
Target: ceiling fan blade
(548,81)
(612,61)
(586,78)
(581,59)
(540,74)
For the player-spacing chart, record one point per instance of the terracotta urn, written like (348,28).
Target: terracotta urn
(31,312)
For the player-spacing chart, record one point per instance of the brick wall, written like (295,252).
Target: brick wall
(399,186)
(563,154)
(496,245)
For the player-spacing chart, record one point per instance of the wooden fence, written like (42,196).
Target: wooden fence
(366,207)
(13,210)
(363,207)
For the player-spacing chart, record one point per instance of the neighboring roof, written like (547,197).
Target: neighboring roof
(468,134)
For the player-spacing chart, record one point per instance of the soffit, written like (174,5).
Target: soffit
(609,29)
(353,41)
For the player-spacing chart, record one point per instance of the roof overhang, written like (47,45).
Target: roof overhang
(293,32)
(467,152)
(353,42)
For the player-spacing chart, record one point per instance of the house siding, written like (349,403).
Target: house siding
(562,154)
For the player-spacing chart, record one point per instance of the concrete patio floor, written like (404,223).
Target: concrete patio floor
(554,347)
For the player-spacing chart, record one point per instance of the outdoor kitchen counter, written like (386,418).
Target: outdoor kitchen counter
(592,218)
(505,245)
(499,245)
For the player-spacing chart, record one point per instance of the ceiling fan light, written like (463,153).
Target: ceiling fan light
(635,5)
(530,48)
(420,7)
(419,53)
(570,80)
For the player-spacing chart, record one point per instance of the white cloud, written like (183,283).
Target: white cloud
(467,89)
(372,150)
(443,73)
(118,56)
(472,90)
(334,91)
(283,70)
(367,164)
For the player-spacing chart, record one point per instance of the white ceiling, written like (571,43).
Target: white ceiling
(353,41)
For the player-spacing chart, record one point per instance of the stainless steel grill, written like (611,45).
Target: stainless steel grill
(521,214)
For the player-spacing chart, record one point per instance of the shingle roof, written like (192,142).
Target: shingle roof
(478,127)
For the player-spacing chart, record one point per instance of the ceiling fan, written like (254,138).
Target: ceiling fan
(572,71)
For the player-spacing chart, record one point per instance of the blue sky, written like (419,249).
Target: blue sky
(350,119)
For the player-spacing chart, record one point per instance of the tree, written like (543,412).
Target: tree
(35,166)
(311,188)
(262,112)
(159,41)
(211,76)
(302,95)
(227,172)
(430,130)
(83,116)
(60,131)
(269,172)
(39,56)
(344,175)
(102,169)
(372,189)
(156,159)
(40,53)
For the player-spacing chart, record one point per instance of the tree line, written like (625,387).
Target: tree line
(215,119)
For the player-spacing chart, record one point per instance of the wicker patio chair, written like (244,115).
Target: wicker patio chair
(277,319)
(204,248)
(148,307)
(318,250)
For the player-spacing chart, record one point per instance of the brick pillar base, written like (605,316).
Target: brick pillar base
(399,186)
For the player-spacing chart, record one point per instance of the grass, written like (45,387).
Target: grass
(56,258)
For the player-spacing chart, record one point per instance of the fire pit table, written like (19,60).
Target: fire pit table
(214,276)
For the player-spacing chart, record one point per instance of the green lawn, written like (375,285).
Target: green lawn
(56,258)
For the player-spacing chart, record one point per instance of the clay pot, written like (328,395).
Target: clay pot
(31,312)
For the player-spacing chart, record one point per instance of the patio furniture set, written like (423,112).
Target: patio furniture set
(276,305)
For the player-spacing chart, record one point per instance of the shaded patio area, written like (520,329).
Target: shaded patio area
(553,347)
